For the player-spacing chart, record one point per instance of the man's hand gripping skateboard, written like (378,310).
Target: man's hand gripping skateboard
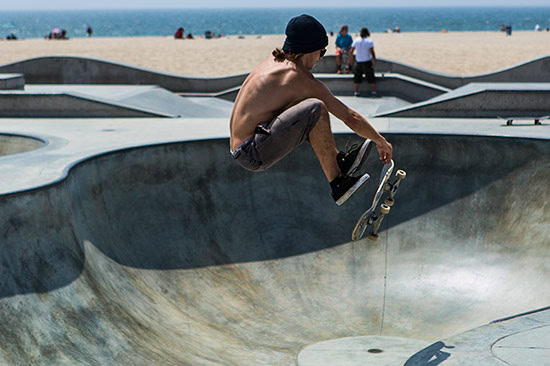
(371,218)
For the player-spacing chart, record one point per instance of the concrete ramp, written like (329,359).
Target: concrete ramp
(395,85)
(105,101)
(173,254)
(483,100)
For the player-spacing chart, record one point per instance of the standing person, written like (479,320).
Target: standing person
(89,31)
(343,44)
(366,61)
(281,105)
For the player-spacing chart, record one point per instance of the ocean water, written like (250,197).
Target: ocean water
(109,23)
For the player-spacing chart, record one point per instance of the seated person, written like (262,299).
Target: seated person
(343,44)
(179,33)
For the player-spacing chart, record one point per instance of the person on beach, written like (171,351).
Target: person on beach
(179,33)
(365,61)
(343,44)
(281,105)
(56,33)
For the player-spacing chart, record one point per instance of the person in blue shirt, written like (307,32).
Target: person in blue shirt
(343,44)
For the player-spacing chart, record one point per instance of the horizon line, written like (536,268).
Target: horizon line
(283,7)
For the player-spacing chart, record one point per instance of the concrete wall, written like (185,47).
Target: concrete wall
(487,104)
(407,89)
(387,85)
(536,70)
(12,81)
(81,70)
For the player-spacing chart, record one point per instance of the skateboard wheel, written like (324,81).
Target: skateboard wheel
(401,174)
(388,201)
(373,237)
(384,209)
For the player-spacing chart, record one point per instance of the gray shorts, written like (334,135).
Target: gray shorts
(273,140)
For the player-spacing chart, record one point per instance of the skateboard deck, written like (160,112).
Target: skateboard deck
(510,120)
(371,218)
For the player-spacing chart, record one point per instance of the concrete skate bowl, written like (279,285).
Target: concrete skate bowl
(173,254)
(14,144)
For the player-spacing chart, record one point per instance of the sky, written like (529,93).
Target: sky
(173,4)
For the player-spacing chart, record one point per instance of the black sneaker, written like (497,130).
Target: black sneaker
(344,186)
(354,157)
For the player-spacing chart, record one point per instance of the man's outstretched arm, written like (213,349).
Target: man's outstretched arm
(353,120)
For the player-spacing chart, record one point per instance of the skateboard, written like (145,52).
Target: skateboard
(371,218)
(344,67)
(510,120)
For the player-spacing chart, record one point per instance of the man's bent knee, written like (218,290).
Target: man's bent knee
(318,108)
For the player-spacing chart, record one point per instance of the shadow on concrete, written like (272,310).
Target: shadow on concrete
(430,356)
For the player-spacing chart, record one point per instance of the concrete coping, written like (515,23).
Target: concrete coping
(10,76)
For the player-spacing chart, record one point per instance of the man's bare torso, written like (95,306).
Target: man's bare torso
(269,90)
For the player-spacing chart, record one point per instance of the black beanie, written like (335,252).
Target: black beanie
(304,34)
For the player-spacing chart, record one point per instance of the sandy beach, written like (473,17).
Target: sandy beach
(457,53)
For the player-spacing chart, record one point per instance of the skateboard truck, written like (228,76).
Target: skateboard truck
(371,217)
(377,220)
(391,188)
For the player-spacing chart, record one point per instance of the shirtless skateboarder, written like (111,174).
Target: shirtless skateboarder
(281,105)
